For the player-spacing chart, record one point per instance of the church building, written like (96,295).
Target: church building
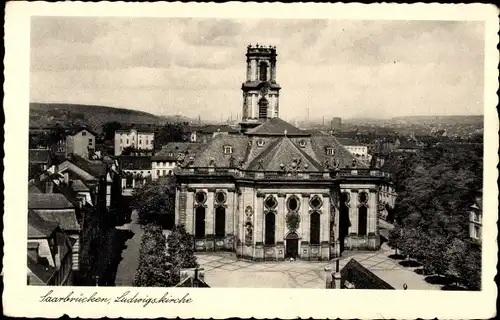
(275,191)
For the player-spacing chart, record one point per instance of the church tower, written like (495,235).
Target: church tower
(260,90)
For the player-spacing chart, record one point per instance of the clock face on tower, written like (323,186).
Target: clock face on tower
(264,89)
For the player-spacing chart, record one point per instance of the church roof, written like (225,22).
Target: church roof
(271,150)
(276,127)
(282,153)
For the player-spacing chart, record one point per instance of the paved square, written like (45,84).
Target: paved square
(223,270)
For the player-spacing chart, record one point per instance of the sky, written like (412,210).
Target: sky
(195,67)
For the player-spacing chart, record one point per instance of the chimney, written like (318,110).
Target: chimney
(66,178)
(49,186)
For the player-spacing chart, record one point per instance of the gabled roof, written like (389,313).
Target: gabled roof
(361,277)
(48,201)
(42,272)
(96,168)
(276,127)
(341,154)
(348,142)
(65,218)
(79,186)
(39,156)
(79,129)
(283,152)
(170,151)
(39,227)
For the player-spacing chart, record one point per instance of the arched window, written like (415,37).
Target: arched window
(263,103)
(263,72)
(220,222)
(362,220)
(270,228)
(315,228)
(199,229)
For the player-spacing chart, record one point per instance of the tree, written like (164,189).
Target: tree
(109,129)
(154,269)
(181,248)
(155,201)
(171,132)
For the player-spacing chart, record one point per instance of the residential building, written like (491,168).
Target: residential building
(55,207)
(39,161)
(80,142)
(476,217)
(136,171)
(276,191)
(165,161)
(203,134)
(49,253)
(357,149)
(134,139)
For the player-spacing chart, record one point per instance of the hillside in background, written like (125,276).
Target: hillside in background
(49,114)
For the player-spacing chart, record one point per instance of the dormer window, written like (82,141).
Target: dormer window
(302,143)
(329,151)
(228,149)
(260,142)
(84,133)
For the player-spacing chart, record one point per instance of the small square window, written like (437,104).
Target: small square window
(84,133)
(140,141)
(302,143)
(329,151)
(228,149)
(90,141)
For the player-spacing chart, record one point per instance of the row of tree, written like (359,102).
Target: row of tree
(435,192)
(161,259)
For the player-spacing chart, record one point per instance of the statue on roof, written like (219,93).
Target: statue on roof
(260,164)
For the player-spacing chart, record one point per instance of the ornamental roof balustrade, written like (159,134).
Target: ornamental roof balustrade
(282,175)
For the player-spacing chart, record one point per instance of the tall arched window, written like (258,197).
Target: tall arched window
(220,222)
(263,72)
(362,220)
(270,228)
(199,228)
(263,103)
(315,228)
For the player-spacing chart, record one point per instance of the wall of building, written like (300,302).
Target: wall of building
(133,138)
(162,168)
(80,143)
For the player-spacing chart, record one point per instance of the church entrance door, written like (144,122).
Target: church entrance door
(292,246)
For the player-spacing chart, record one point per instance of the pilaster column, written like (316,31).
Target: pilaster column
(325,218)
(304,217)
(259,219)
(230,212)
(249,70)
(273,70)
(373,211)
(353,212)
(281,211)
(253,69)
(210,216)
(189,210)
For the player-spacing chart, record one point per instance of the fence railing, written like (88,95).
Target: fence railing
(284,175)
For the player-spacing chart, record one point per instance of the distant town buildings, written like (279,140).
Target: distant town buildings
(138,140)
(203,134)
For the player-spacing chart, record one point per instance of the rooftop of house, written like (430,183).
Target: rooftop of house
(76,130)
(65,218)
(211,128)
(361,277)
(41,271)
(48,201)
(79,186)
(135,163)
(348,142)
(39,156)
(39,227)
(171,151)
(95,168)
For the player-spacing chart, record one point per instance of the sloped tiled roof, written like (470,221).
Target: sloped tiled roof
(66,218)
(95,168)
(276,127)
(345,158)
(283,152)
(170,151)
(215,149)
(42,272)
(79,186)
(348,142)
(361,277)
(48,201)
(39,227)
(39,156)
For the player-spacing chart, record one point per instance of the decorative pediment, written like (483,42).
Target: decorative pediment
(316,202)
